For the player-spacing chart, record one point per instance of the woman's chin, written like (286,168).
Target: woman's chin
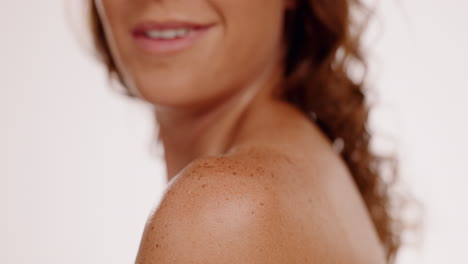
(169,97)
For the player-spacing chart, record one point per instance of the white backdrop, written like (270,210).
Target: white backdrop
(77,177)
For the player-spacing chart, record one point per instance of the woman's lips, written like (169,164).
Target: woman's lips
(165,46)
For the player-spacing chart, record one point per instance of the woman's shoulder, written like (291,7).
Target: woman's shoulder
(257,171)
(217,210)
(243,183)
(235,209)
(251,175)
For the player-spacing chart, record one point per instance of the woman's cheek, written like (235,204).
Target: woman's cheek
(253,32)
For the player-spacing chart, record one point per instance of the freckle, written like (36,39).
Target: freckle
(152,228)
(262,204)
(252,212)
(206,163)
(203,186)
(235,173)
(227,199)
(266,188)
(272,175)
(157,245)
(251,175)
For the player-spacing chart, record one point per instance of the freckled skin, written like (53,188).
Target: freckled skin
(260,215)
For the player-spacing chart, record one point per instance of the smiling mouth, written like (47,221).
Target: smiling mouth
(168,37)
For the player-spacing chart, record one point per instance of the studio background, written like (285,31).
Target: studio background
(79,172)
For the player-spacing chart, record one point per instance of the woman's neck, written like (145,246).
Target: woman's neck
(187,134)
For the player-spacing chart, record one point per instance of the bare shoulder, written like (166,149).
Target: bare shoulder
(218,210)
(234,209)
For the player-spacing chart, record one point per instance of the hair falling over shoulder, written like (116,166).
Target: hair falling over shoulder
(323,41)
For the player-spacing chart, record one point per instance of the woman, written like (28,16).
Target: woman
(264,129)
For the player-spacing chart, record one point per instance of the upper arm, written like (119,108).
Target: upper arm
(215,218)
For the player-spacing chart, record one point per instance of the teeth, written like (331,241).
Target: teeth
(168,33)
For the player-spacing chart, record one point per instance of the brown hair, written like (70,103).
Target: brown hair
(323,43)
